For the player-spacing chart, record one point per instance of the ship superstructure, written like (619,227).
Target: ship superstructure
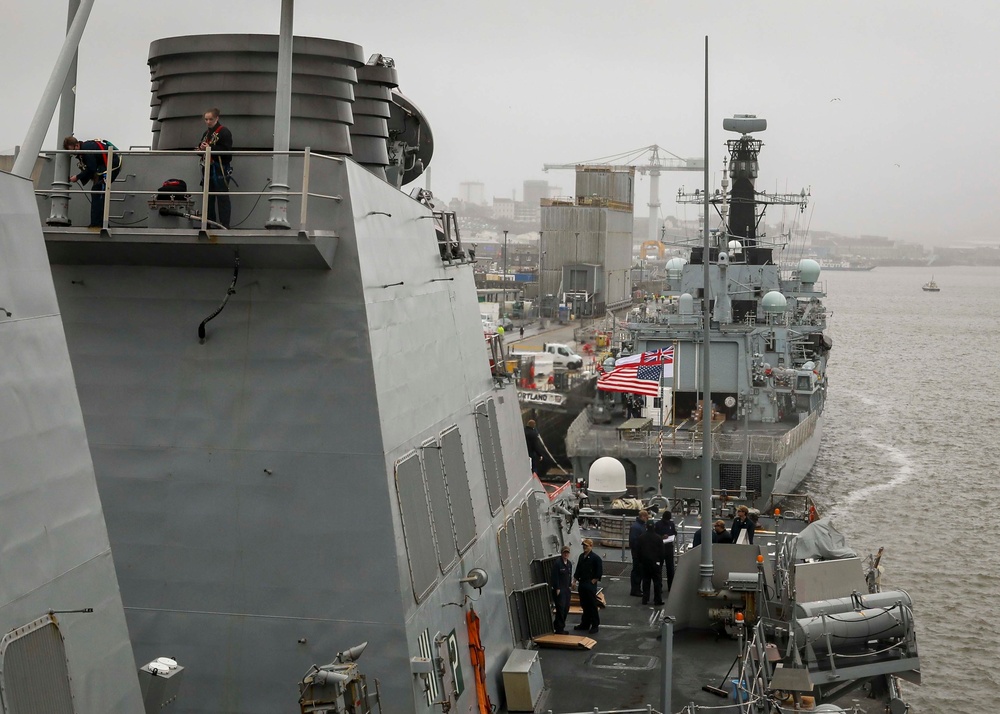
(288,464)
(768,359)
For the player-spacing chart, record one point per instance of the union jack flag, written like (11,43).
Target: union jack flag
(660,356)
(639,374)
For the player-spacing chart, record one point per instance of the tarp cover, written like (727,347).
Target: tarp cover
(821,540)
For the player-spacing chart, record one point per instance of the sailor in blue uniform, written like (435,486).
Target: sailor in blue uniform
(562,586)
(589,569)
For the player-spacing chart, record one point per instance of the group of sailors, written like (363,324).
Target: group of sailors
(94,169)
(652,547)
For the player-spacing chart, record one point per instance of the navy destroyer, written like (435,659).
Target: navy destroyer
(769,354)
(236,479)
(287,467)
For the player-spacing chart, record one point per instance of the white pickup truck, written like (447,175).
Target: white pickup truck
(563,355)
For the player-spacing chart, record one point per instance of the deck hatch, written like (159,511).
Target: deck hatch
(603,660)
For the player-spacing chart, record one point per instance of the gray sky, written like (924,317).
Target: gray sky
(511,85)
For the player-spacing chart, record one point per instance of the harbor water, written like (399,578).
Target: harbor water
(910,459)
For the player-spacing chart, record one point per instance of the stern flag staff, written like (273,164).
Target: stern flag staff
(639,374)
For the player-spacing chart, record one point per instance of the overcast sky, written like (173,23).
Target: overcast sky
(908,150)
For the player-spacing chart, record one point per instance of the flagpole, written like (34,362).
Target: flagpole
(659,460)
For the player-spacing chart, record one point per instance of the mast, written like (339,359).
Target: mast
(282,120)
(26,157)
(707,568)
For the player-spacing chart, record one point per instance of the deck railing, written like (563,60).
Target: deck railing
(688,442)
(123,190)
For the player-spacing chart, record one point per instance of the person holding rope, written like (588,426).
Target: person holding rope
(94,169)
(220,140)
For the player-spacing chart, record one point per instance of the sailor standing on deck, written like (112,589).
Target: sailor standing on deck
(743,526)
(220,139)
(637,528)
(650,547)
(562,586)
(667,531)
(589,569)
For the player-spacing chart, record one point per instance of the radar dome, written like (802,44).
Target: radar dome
(808,270)
(675,266)
(735,247)
(606,478)
(773,302)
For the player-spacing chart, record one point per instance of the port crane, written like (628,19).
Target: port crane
(645,160)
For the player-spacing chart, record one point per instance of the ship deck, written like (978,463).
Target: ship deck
(623,671)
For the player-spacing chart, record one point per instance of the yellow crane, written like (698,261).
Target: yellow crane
(645,160)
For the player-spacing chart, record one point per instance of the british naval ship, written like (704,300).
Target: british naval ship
(228,457)
(766,332)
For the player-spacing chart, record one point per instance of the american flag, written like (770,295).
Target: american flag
(634,378)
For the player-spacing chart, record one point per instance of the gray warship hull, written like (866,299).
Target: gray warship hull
(288,466)
(257,485)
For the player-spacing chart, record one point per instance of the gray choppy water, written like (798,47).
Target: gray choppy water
(910,459)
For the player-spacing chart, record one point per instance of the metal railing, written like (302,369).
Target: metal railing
(205,193)
(684,442)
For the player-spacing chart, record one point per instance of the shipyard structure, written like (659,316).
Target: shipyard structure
(586,243)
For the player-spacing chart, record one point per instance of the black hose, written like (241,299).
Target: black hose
(230,291)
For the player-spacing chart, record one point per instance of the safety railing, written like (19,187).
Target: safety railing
(685,442)
(106,195)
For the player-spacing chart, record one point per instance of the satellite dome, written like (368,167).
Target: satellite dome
(735,247)
(606,478)
(808,270)
(773,303)
(676,263)
(686,304)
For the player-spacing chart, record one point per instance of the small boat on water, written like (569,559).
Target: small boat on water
(931,287)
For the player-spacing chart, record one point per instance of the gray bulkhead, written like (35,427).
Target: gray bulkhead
(54,548)
(250,482)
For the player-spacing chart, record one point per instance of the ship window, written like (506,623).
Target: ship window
(35,673)
(457,478)
(417,533)
(437,490)
(730,476)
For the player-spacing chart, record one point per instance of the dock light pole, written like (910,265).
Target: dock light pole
(503,305)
